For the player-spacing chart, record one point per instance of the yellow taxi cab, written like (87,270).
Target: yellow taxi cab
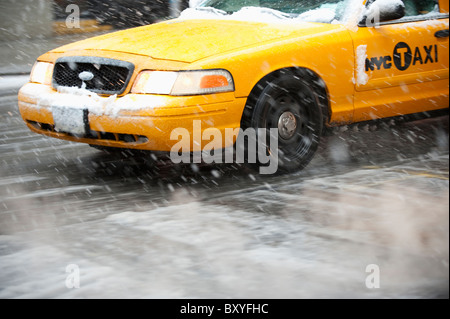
(296,66)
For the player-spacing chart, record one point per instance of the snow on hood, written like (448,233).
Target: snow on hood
(192,40)
(251,14)
(258,14)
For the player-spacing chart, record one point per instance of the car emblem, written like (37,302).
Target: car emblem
(86,76)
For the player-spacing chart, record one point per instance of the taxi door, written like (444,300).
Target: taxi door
(402,65)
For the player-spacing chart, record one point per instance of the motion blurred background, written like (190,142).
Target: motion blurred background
(29,28)
(122,13)
(44,18)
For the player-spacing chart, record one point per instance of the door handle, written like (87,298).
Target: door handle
(441,34)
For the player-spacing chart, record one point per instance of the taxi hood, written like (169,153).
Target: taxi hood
(192,40)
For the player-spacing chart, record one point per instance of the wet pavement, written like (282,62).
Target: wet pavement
(375,194)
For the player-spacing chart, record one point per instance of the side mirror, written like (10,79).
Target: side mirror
(382,11)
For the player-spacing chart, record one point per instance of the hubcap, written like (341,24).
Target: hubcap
(287,125)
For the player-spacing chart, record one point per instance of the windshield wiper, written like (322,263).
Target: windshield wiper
(211,10)
(264,10)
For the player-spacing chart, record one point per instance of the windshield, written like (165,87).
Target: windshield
(286,6)
(323,11)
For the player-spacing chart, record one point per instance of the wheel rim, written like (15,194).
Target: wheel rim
(289,113)
(287,125)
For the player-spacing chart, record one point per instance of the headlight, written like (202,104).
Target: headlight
(154,82)
(184,82)
(42,73)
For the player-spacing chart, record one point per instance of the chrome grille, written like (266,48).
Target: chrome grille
(109,76)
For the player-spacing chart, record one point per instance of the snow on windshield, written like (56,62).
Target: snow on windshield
(328,11)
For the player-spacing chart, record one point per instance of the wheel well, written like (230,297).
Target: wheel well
(311,77)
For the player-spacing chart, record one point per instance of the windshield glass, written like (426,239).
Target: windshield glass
(323,11)
(287,6)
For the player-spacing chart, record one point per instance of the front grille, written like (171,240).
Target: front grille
(109,76)
(94,135)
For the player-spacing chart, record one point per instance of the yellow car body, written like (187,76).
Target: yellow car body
(362,69)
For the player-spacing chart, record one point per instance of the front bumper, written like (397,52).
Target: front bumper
(134,121)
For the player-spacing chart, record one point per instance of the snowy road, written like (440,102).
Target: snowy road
(374,195)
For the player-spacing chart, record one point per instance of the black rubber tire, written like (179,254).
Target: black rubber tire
(288,93)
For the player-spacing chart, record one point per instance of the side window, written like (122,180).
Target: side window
(416,8)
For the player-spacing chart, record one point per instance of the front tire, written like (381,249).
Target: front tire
(289,103)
